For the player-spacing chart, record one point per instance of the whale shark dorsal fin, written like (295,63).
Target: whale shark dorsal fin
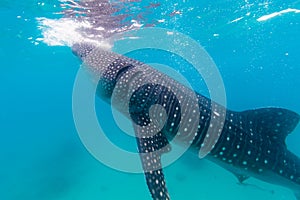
(151,148)
(273,123)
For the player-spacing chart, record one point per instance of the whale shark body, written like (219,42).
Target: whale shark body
(250,143)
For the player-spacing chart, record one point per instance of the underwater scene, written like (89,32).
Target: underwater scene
(132,99)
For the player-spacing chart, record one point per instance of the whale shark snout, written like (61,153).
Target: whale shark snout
(81,50)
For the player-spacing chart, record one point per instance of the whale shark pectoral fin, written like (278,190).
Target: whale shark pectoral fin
(151,148)
(156,185)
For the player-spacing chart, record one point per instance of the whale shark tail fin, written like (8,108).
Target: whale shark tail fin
(273,123)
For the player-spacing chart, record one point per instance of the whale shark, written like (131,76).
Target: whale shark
(251,143)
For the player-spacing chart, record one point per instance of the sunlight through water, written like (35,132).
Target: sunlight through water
(77,22)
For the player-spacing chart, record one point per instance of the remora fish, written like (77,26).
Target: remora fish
(251,143)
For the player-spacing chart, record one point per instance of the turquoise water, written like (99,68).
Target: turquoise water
(42,156)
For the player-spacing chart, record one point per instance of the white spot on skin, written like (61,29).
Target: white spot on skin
(216,113)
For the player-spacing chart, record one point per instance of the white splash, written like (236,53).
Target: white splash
(275,14)
(66,32)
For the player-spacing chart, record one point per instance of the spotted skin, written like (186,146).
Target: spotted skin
(256,147)
(251,143)
(151,161)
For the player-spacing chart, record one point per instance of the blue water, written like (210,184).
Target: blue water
(42,156)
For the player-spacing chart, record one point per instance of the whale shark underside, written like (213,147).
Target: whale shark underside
(251,143)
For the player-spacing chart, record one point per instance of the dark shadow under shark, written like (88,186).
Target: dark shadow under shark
(251,143)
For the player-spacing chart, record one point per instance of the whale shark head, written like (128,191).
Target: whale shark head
(81,50)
